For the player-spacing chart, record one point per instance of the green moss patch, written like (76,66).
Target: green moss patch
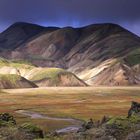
(38,57)
(3,62)
(6,124)
(16,63)
(133,58)
(30,127)
(21,64)
(124,122)
(12,78)
(47,73)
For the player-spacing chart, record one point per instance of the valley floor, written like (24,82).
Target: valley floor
(67,102)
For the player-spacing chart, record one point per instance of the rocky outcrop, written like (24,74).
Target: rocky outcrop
(134,136)
(9,130)
(134,110)
(31,129)
(6,119)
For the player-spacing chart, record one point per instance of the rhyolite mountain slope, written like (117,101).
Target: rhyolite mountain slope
(100,54)
(11,71)
(45,77)
(13,81)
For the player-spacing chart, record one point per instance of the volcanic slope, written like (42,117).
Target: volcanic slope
(100,54)
(12,73)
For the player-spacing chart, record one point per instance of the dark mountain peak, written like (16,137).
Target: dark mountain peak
(22,28)
(23,24)
(103,30)
(18,33)
(30,28)
(68,27)
(103,26)
(20,23)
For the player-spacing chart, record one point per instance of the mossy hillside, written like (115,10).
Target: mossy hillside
(38,57)
(21,64)
(56,79)
(50,73)
(133,58)
(16,63)
(3,62)
(12,81)
(12,78)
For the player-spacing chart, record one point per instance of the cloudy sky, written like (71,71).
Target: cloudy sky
(71,12)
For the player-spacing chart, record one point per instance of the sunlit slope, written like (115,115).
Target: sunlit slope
(54,77)
(113,73)
(11,81)
(40,76)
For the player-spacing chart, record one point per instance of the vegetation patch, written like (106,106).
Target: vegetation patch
(38,57)
(12,78)
(7,120)
(30,127)
(16,63)
(124,122)
(133,58)
(46,73)
(9,81)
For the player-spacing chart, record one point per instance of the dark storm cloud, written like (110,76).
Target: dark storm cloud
(69,12)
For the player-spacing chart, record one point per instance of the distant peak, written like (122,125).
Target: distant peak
(111,25)
(18,23)
(103,25)
(21,24)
